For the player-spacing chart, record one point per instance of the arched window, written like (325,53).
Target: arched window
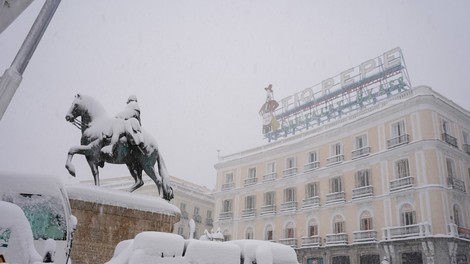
(338,225)
(289,231)
(366,221)
(249,233)
(408,215)
(268,233)
(312,228)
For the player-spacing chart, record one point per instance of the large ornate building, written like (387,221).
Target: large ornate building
(390,180)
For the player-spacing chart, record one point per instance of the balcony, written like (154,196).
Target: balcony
(402,183)
(288,206)
(251,181)
(336,239)
(269,177)
(268,210)
(335,160)
(249,212)
(292,242)
(289,172)
(364,191)
(209,221)
(311,166)
(335,197)
(418,230)
(364,236)
(397,141)
(311,202)
(449,140)
(228,186)
(456,184)
(225,216)
(466,148)
(184,215)
(360,152)
(312,241)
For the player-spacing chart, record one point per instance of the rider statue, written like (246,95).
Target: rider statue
(132,125)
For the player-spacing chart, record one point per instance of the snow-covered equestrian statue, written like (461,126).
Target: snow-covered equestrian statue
(97,129)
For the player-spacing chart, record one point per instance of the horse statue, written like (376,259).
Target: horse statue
(96,127)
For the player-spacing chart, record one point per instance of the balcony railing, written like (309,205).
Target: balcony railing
(397,141)
(289,206)
(363,192)
(335,159)
(228,186)
(402,183)
(225,216)
(399,232)
(364,236)
(336,239)
(197,218)
(466,148)
(463,232)
(312,241)
(456,184)
(311,166)
(249,212)
(335,197)
(209,221)
(311,202)
(289,172)
(268,210)
(251,181)
(360,152)
(289,242)
(449,140)
(269,177)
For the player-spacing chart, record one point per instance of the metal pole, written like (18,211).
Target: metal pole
(12,77)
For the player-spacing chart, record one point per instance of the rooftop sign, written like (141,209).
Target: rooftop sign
(350,91)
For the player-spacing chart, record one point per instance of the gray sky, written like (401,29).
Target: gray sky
(199,68)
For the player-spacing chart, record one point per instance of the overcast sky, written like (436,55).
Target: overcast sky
(199,68)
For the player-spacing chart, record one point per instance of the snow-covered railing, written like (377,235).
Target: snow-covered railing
(417,230)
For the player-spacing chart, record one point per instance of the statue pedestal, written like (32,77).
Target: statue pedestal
(106,217)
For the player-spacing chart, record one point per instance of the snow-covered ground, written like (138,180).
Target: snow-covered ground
(156,247)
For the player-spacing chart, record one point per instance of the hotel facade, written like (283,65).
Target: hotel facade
(389,181)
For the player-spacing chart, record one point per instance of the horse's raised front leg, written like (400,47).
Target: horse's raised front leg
(167,190)
(83,150)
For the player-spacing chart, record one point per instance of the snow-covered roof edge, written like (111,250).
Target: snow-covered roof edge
(121,198)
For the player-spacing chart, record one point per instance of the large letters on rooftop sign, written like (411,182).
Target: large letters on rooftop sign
(351,90)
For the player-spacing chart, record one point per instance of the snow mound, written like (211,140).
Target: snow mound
(265,252)
(159,244)
(209,252)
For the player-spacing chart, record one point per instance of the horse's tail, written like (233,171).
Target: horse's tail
(167,189)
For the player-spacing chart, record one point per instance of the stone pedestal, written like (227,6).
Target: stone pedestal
(106,217)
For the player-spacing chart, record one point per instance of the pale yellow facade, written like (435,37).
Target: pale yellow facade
(396,172)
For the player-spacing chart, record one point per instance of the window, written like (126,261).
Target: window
(361,141)
(338,225)
(450,168)
(209,214)
(398,129)
(289,231)
(311,190)
(229,177)
(290,163)
(402,168)
(366,221)
(466,138)
(227,206)
(312,228)
(289,195)
(180,230)
(362,178)
(268,234)
(270,167)
(336,149)
(408,215)
(251,173)
(456,215)
(312,156)
(196,211)
(250,202)
(249,233)
(335,185)
(269,198)
(183,207)
(446,129)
